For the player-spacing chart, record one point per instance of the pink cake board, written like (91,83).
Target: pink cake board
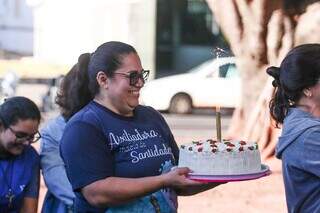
(265,171)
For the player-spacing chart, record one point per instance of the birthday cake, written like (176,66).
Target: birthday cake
(228,157)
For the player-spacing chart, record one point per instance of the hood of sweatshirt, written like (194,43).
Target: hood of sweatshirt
(295,123)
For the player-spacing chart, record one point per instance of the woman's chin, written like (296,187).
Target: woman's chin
(16,150)
(133,104)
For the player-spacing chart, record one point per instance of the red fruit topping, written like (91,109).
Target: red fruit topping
(229,149)
(241,149)
(212,141)
(200,149)
(214,150)
(242,142)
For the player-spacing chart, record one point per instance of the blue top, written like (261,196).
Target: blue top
(59,197)
(299,148)
(98,143)
(21,174)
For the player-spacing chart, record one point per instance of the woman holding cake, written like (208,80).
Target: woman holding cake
(296,105)
(119,154)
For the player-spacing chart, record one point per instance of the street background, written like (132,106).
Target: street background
(264,195)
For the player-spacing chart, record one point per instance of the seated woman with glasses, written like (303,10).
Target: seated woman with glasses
(19,162)
(119,155)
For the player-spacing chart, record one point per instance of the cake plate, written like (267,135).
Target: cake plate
(265,171)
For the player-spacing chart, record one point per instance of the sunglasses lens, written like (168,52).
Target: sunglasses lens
(135,76)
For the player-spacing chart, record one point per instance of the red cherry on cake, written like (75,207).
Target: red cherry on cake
(229,149)
(242,142)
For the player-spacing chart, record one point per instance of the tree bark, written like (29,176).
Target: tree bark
(260,33)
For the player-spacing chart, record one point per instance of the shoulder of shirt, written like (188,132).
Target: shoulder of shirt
(147,109)
(31,153)
(88,114)
(57,123)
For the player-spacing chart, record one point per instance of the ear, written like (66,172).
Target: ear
(102,79)
(307,92)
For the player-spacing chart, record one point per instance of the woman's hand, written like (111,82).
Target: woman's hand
(177,177)
(178,180)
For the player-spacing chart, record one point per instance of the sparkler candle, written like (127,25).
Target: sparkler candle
(219,52)
(218,123)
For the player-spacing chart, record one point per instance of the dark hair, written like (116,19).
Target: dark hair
(107,58)
(299,70)
(74,93)
(79,86)
(18,108)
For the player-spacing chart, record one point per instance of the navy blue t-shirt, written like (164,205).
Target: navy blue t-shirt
(98,143)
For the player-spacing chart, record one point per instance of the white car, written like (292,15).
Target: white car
(213,83)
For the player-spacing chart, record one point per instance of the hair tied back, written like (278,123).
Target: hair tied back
(275,73)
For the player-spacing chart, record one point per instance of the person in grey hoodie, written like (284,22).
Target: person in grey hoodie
(296,105)
(71,98)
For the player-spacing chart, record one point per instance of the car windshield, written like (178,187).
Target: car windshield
(204,67)
(211,66)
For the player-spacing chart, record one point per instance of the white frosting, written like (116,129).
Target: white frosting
(220,158)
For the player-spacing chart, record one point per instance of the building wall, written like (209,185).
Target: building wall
(16,26)
(65,29)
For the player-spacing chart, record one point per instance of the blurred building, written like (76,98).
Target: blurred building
(16,27)
(171,36)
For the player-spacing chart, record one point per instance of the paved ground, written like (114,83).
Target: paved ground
(264,195)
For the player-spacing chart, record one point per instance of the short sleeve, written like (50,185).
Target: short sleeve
(86,154)
(311,150)
(32,189)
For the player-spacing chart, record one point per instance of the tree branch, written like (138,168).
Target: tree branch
(231,25)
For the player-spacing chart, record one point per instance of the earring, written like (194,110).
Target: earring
(307,93)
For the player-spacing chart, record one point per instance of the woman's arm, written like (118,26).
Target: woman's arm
(53,168)
(30,205)
(30,201)
(114,190)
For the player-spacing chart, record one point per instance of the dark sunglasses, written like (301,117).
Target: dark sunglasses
(22,136)
(134,76)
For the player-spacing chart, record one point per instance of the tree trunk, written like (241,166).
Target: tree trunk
(260,33)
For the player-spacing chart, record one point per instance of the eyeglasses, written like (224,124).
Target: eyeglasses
(22,136)
(134,76)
